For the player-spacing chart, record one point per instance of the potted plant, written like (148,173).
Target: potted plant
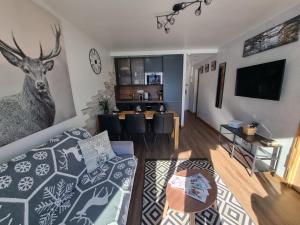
(104,104)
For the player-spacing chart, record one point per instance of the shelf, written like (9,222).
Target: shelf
(263,159)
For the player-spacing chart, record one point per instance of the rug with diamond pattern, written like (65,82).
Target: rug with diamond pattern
(157,175)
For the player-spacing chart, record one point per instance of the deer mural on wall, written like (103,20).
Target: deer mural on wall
(32,109)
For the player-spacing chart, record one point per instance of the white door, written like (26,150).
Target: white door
(193,90)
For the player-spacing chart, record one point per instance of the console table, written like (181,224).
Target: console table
(257,152)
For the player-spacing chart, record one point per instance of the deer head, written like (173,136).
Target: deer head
(34,68)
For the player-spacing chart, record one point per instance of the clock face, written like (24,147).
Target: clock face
(95,61)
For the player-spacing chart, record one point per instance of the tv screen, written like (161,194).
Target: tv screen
(260,81)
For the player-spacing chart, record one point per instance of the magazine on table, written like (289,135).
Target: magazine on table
(195,186)
(198,194)
(195,181)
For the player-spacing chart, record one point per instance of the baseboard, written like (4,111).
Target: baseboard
(207,124)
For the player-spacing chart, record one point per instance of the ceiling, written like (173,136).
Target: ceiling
(130,25)
(194,59)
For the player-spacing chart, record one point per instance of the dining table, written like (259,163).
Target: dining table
(149,114)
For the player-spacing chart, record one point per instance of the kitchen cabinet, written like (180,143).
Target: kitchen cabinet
(153,64)
(123,71)
(137,71)
(172,80)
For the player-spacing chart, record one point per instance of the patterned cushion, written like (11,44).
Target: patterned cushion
(49,185)
(96,151)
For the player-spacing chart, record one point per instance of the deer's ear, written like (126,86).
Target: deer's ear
(49,65)
(11,58)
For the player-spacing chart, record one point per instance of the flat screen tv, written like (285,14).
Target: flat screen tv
(260,81)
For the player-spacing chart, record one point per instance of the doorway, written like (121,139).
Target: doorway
(193,90)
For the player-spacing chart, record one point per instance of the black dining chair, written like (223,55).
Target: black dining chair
(162,124)
(135,124)
(112,124)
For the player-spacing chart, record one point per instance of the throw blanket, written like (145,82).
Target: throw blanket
(49,185)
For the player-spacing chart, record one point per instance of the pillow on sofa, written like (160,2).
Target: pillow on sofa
(96,151)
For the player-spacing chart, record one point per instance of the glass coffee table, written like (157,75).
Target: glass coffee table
(177,200)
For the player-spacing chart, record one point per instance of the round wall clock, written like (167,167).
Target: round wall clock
(95,61)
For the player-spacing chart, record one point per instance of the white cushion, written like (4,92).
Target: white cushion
(96,151)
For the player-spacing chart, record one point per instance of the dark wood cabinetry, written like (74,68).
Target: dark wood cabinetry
(137,71)
(172,79)
(123,71)
(131,71)
(130,74)
(153,64)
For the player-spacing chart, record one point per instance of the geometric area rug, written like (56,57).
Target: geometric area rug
(157,175)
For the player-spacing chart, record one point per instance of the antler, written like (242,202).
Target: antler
(18,51)
(57,49)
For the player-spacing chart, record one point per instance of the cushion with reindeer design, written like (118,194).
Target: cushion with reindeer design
(96,151)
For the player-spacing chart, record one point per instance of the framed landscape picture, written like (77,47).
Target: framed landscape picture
(279,35)
(206,68)
(201,70)
(213,65)
(220,86)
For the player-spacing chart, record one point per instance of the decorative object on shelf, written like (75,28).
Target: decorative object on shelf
(104,103)
(270,143)
(235,124)
(140,94)
(160,94)
(213,65)
(169,18)
(201,69)
(220,87)
(147,95)
(279,35)
(95,61)
(251,128)
(206,68)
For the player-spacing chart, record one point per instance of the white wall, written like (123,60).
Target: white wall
(84,82)
(207,92)
(279,119)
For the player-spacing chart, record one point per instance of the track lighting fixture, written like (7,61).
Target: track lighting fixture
(168,19)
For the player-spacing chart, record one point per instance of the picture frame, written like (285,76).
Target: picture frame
(213,65)
(279,35)
(220,85)
(201,68)
(206,68)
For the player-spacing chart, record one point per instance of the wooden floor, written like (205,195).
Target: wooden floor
(265,198)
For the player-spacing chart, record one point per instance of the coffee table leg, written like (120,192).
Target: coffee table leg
(215,205)
(166,209)
(192,219)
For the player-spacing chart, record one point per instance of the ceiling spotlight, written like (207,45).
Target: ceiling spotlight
(167,30)
(169,18)
(159,25)
(207,2)
(198,11)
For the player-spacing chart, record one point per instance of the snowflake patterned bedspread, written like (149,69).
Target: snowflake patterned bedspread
(49,185)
